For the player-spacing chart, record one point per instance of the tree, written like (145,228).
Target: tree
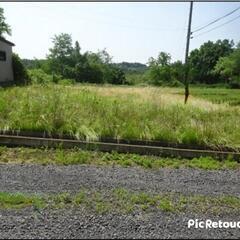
(163,59)
(4,27)
(203,60)
(88,67)
(178,71)
(77,52)
(103,62)
(104,57)
(238,45)
(61,53)
(159,69)
(116,75)
(229,68)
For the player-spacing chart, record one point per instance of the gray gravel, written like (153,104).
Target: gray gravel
(80,224)
(51,179)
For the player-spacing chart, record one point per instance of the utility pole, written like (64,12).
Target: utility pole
(186,81)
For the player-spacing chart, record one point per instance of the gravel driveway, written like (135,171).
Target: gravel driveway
(38,178)
(78,223)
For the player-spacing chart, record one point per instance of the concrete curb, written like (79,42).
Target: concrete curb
(13,141)
(155,143)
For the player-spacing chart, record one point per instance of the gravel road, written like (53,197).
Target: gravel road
(51,179)
(79,223)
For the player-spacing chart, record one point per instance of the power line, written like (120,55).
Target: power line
(218,19)
(217,27)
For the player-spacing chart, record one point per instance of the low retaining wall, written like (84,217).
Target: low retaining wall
(13,141)
(122,141)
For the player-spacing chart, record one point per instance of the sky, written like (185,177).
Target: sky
(129,31)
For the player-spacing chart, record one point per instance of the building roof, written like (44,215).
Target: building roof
(6,41)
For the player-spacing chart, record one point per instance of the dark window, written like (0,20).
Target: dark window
(3,56)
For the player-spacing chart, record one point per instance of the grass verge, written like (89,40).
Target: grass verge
(76,156)
(123,201)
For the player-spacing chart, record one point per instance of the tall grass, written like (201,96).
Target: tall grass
(119,112)
(218,95)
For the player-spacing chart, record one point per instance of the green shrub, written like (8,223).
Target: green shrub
(235,83)
(38,76)
(66,81)
(19,72)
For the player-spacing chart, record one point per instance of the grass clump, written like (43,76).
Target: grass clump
(166,205)
(19,200)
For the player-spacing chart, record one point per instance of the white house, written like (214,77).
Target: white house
(6,70)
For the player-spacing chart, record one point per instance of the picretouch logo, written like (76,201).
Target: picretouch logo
(209,224)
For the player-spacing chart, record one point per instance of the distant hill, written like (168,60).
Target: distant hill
(128,67)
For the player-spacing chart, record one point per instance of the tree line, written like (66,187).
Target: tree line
(212,63)
(66,61)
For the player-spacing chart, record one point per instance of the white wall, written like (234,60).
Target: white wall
(6,71)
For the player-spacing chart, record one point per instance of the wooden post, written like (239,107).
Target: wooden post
(186,80)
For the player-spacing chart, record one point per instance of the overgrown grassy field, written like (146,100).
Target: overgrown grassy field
(91,112)
(218,95)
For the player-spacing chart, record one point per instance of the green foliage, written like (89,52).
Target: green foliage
(4,27)
(229,68)
(86,72)
(19,72)
(203,60)
(67,61)
(107,72)
(115,75)
(178,71)
(162,73)
(136,79)
(36,64)
(208,65)
(38,76)
(66,82)
(162,60)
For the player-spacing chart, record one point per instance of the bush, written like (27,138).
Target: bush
(235,82)
(175,83)
(66,81)
(19,72)
(160,75)
(115,75)
(136,78)
(38,76)
(88,73)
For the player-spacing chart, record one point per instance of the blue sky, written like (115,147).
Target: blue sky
(131,32)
